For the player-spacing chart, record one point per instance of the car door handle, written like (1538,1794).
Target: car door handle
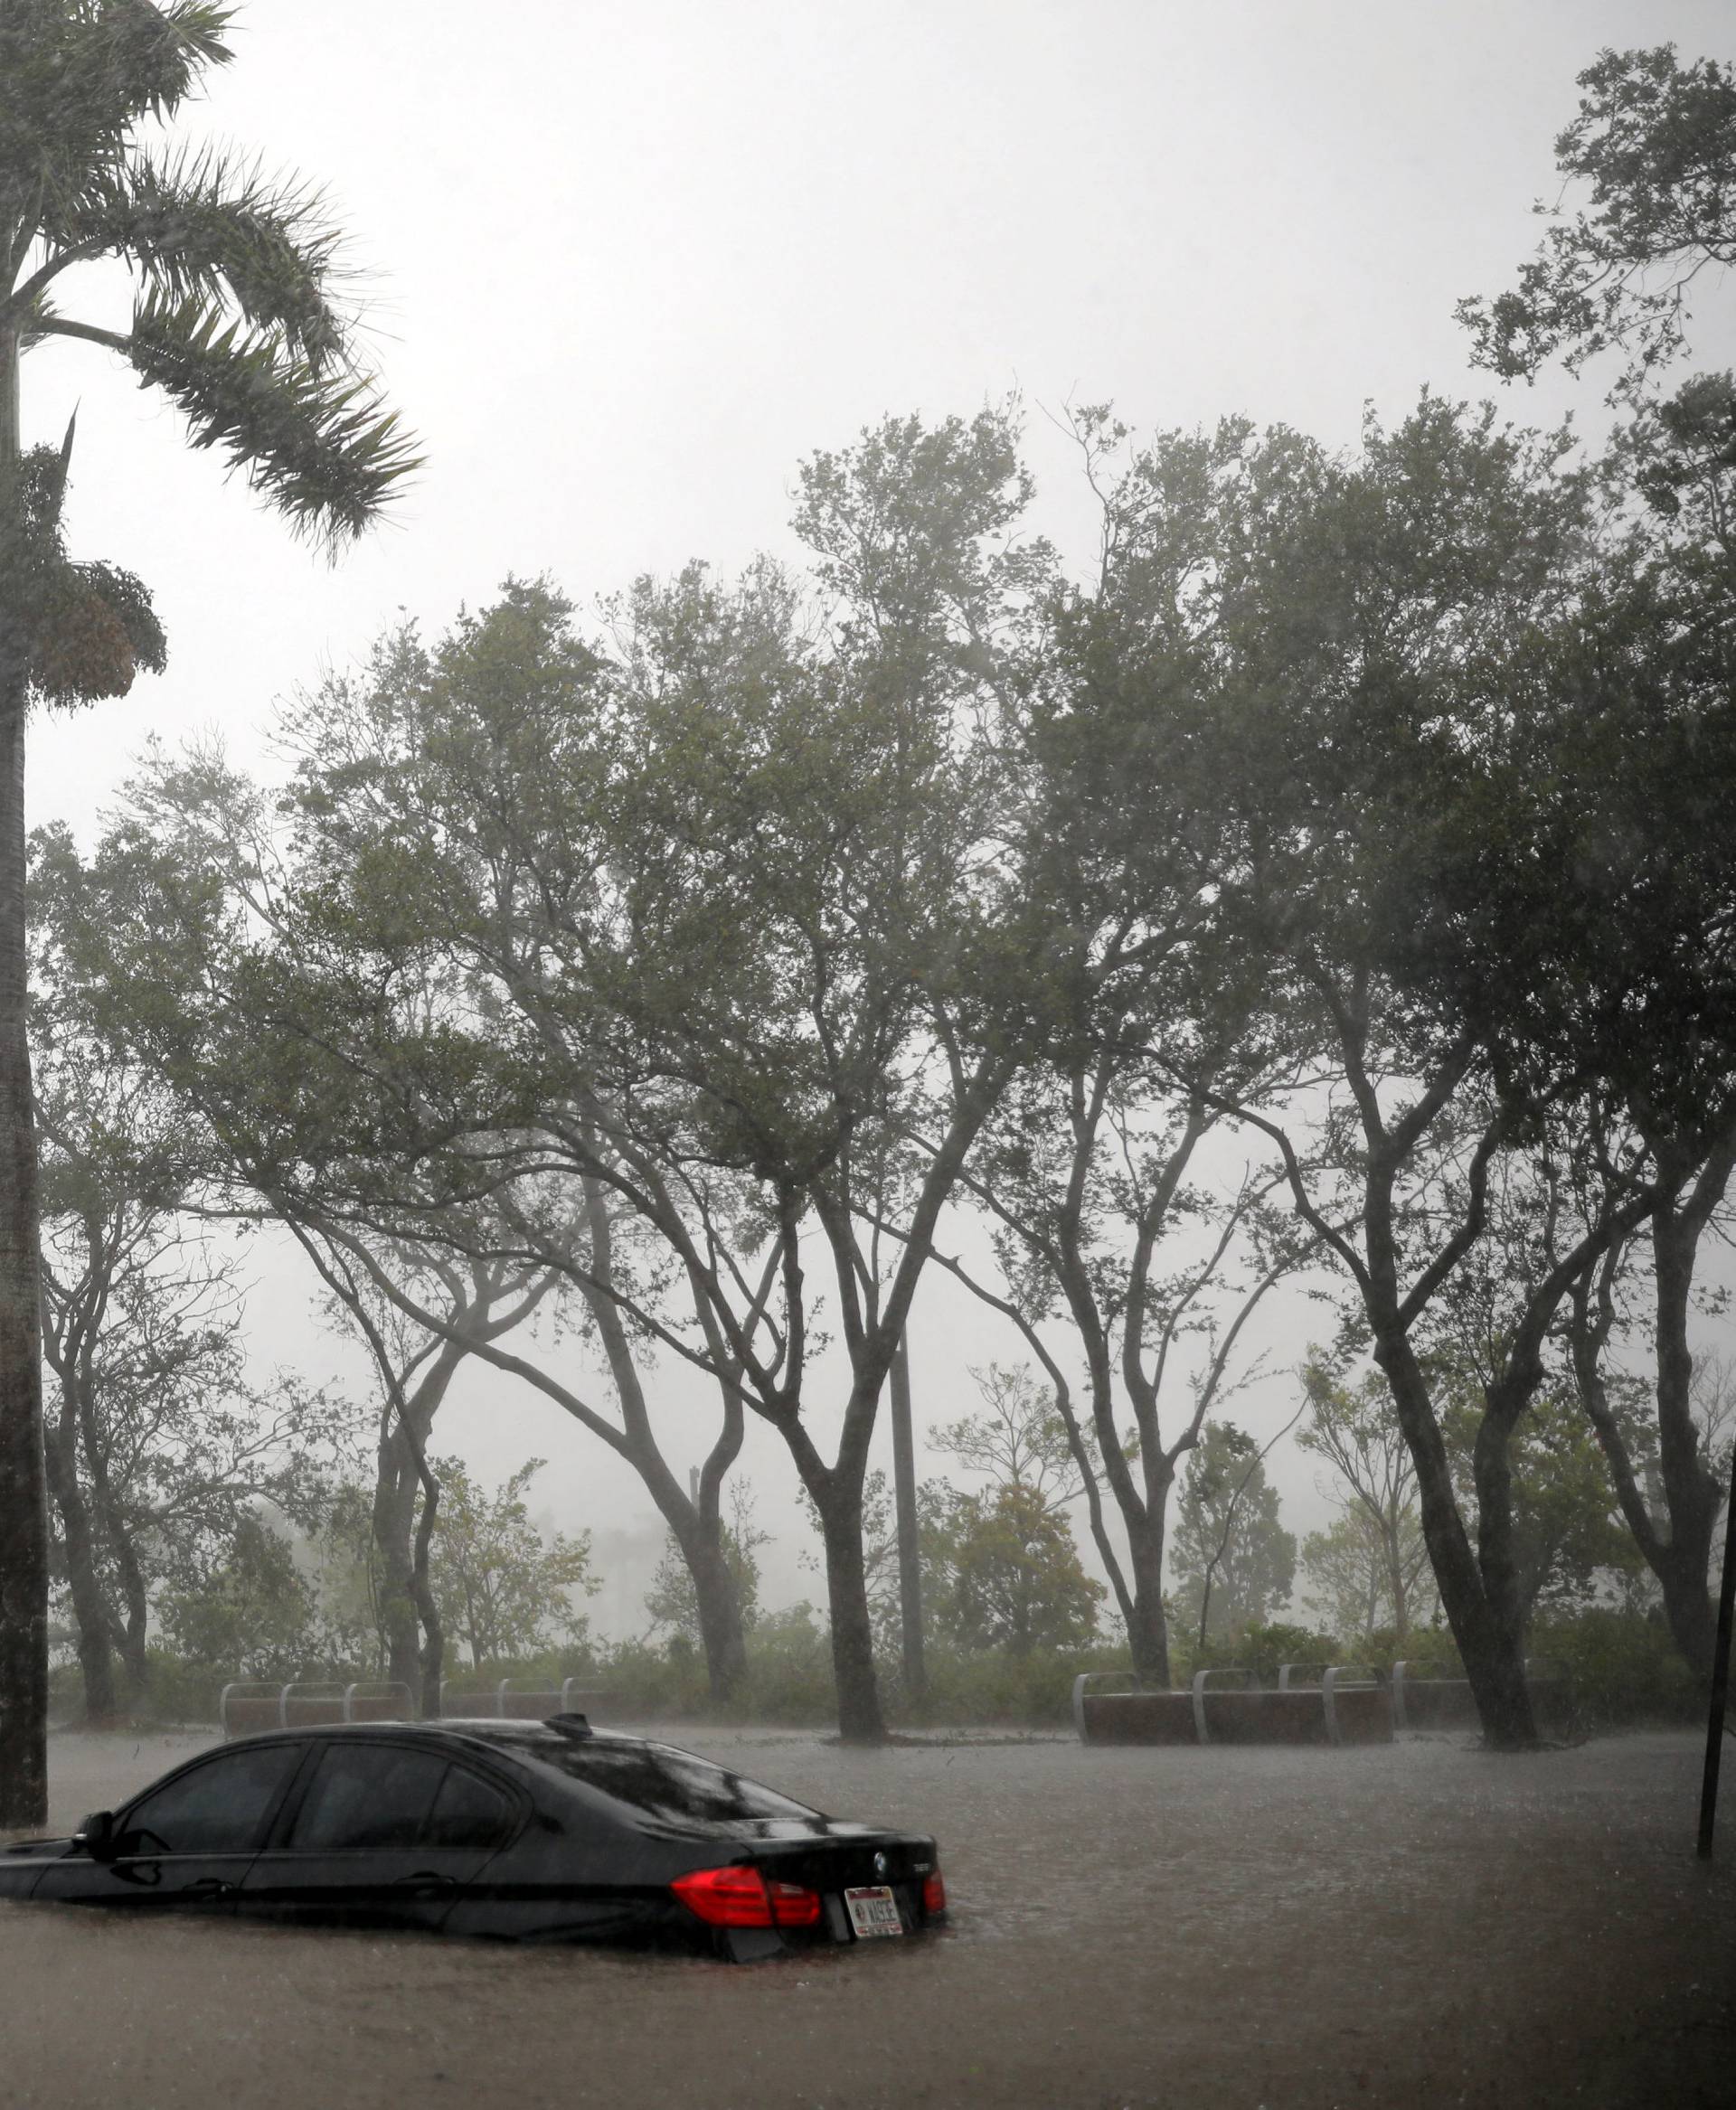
(427,1879)
(210,1886)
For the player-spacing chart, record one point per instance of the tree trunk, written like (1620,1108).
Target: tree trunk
(96,1660)
(128,1633)
(1684,1568)
(697,1529)
(1492,1648)
(910,1551)
(1391,1537)
(719,1603)
(860,1718)
(134,1660)
(394,1525)
(1678,1549)
(1148,1627)
(24,1487)
(433,1666)
(695,1520)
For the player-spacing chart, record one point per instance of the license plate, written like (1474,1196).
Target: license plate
(874,1910)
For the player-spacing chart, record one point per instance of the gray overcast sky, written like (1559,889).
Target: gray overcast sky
(625,264)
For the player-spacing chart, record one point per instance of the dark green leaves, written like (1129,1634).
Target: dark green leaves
(318,446)
(79,75)
(236,320)
(1654,142)
(201,229)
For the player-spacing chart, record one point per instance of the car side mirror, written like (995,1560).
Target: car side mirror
(96,1835)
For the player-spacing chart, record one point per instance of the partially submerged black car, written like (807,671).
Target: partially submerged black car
(531,1831)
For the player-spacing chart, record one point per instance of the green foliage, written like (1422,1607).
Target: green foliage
(1430,1651)
(1654,148)
(998,1689)
(1227,1534)
(252,1614)
(1013,1578)
(1346,1573)
(1019,1441)
(1371,1565)
(1623,1665)
(1570,1540)
(502,1588)
(176,1691)
(1260,1646)
(673,1599)
(318,446)
(81,76)
(789,1681)
(1624,1670)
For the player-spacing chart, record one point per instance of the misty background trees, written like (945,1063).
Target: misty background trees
(1327,891)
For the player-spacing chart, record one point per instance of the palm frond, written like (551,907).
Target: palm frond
(318,446)
(144,60)
(78,76)
(201,227)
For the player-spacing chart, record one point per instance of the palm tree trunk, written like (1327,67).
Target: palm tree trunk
(23,1485)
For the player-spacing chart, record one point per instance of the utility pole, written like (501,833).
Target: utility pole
(909,1568)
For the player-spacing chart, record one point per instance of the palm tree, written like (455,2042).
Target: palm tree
(234,319)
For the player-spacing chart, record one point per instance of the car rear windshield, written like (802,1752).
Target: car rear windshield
(659,1781)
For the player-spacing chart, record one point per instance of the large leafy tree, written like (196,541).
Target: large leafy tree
(717,915)
(1650,161)
(1636,769)
(235,321)
(1391,637)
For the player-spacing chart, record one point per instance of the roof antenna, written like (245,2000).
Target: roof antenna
(569,1725)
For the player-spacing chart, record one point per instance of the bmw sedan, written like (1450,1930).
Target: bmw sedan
(531,1831)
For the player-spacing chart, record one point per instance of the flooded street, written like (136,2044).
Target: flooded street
(1414,1923)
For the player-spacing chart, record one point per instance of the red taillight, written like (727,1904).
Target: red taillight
(934,1895)
(743,1897)
(791,1905)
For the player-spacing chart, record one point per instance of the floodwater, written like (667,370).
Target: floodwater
(1418,1924)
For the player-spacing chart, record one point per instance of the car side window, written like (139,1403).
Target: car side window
(219,1807)
(367,1795)
(468,1812)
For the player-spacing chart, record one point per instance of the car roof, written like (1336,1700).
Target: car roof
(486,1728)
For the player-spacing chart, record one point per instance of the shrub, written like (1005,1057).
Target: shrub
(1623,1666)
(1256,1647)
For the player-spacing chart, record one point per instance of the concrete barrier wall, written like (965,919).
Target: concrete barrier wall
(1354,1714)
(1439,1703)
(1365,1714)
(1139,1717)
(248,1708)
